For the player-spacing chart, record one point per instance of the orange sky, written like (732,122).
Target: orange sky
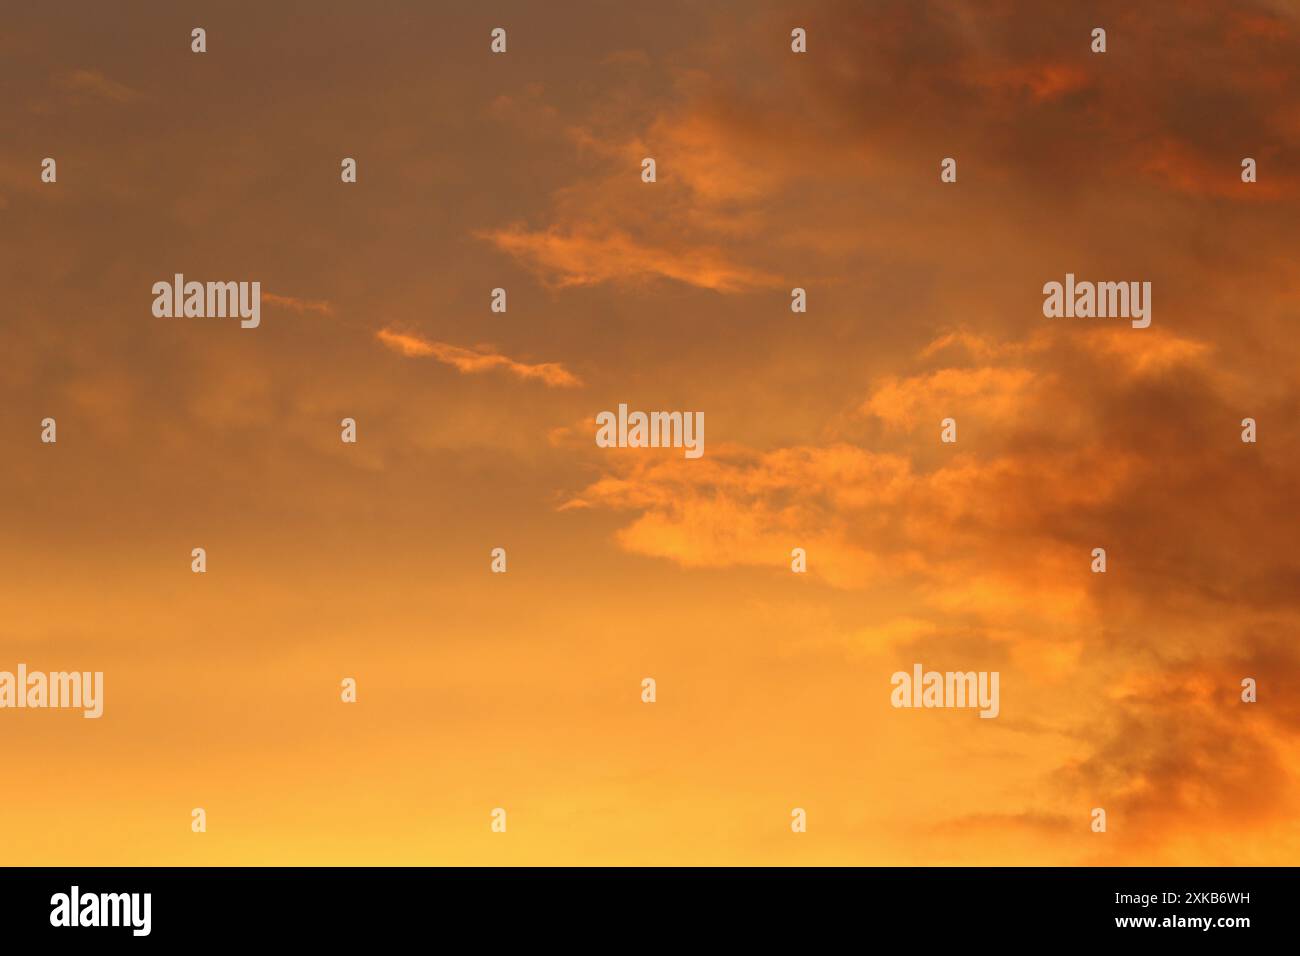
(775,170)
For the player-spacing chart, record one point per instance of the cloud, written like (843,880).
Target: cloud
(714,170)
(989,393)
(472,362)
(877,511)
(565,258)
(1103,438)
(741,507)
(1152,355)
(298,305)
(1182,167)
(1018,98)
(1042,81)
(1177,752)
(93,84)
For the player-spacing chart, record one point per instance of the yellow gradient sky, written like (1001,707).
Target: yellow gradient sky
(476,431)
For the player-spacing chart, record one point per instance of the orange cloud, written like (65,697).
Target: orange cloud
(874,512)
(471,362)
(1107,438)
(1184,168)
(298,305)
(1043,81)
(1153,354)
(714,172)
(577,259)
(990,393)
(95,84)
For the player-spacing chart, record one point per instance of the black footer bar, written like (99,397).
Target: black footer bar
(764,906)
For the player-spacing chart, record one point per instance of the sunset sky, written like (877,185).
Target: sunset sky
(476,430)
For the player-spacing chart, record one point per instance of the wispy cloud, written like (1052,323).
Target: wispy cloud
(471,362)
(92,83)
(573,258)
(298,305)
